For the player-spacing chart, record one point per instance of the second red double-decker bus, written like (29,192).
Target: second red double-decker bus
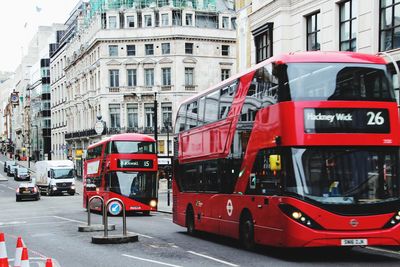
(123,166)
(300,151)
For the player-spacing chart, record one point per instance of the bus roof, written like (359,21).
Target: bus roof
(300,57)
(125,137)
(334,56)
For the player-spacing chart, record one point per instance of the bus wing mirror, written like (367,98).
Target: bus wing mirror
(275,162)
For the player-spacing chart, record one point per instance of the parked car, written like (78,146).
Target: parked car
(11,170)
(22,174)
(7,163)
(27,191)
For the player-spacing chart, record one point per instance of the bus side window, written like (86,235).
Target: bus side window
(181,119)
(263,179)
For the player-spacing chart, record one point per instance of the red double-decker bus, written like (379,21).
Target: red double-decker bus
(300,151)
(123,166)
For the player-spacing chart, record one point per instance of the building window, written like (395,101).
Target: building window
(188,48)
(149,49)
(166,76)
(131,50)
(348,32)
(225,22)
(164,20)
(225,74)
(147,21)
(131,74)
(166,109)
(189,19)
(149,77)
(313,32)
(130,21)
(176,18)
(225,50)
(132,111)
(390,25)
(189,73)
(165,48)
(114,78)
(112,22)
(263,42)
(149,112)
(113,50)
(114,115)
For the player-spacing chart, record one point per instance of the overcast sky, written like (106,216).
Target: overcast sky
(19,20)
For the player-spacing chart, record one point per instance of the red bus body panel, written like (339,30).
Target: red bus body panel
(285,120)
(109,163)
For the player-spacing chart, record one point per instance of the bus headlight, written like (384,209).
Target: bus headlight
(299,216)
(296,215)
(395,220)
(153,203)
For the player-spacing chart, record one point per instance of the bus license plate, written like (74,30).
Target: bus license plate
(354,242)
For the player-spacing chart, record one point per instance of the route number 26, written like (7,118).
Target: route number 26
(375,119)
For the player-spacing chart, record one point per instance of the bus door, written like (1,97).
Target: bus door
(264,190)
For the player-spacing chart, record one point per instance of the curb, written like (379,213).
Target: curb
(164,211)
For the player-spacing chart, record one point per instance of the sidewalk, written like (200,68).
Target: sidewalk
(25,164)
(162,192)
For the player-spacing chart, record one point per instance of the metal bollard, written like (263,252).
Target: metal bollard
(88,205)
(105,214)
(97,227)
(114,239)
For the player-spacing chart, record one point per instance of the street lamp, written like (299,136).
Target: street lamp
(37,141)
(167,124)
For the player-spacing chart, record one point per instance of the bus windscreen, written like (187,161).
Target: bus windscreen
(338,81)
(132,147)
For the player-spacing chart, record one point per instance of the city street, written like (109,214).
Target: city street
(49,227)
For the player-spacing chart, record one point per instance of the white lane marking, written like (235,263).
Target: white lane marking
(11,223)
(41,223)
(3,185)
(13,189)
(71,220)
(66,219)
(169,219)
(35,217)
(148,260)
(384,250)
(211,258)
(147,236)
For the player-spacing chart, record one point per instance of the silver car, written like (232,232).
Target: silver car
(11,169)
(8,163)
(22,174)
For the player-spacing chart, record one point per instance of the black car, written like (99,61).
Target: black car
(22,174)
(27,191)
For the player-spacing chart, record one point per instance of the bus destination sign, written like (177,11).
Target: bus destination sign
(346,120)
(135,163)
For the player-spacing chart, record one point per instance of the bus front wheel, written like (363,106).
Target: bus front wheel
(190,228)
(247,232)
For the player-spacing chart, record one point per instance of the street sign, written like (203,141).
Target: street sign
(115,208)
